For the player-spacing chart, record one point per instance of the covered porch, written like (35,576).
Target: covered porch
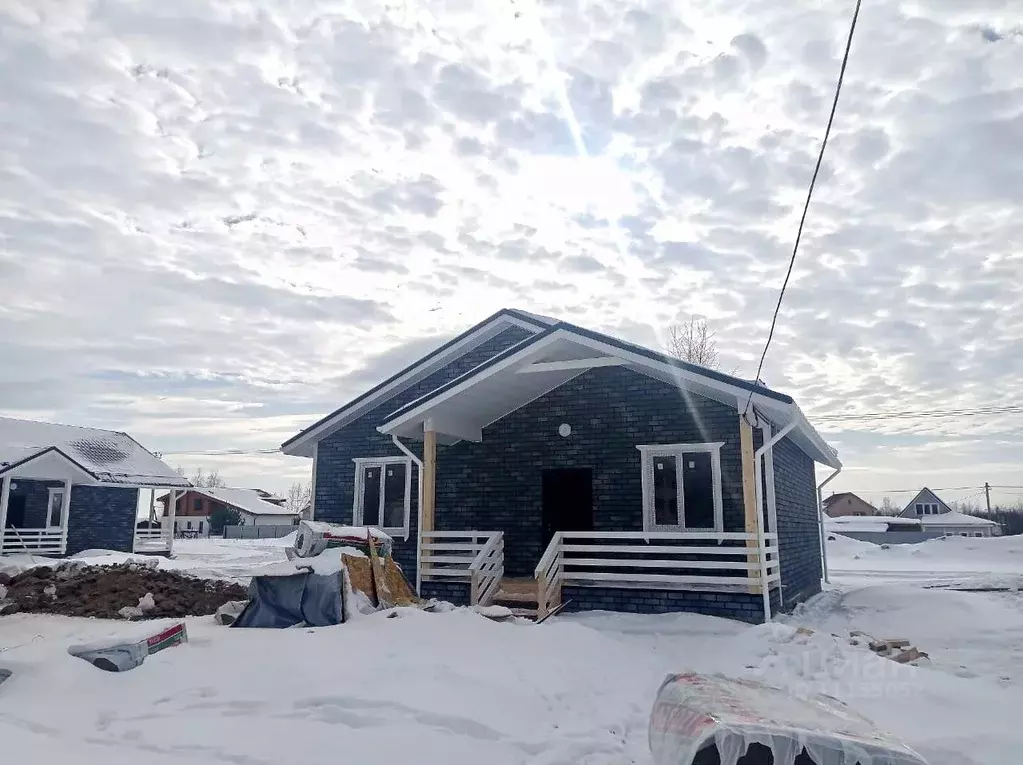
(629,548)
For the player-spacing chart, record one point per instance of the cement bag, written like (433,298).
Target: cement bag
(314,537)
(711,719)
(122,655)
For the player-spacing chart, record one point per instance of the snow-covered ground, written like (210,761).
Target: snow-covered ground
(457,688)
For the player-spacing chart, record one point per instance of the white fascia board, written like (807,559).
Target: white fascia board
(511,361)
(302,447)
(562,366)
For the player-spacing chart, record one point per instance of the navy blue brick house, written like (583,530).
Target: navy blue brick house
(65,489)
(631,476)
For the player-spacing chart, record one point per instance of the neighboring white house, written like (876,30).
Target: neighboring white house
(254,510)
(195,507)
(935,515)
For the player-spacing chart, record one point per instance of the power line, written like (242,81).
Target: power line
(221,452)
(809,196)
(921,414)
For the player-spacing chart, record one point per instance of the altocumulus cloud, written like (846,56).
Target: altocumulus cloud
(219,222)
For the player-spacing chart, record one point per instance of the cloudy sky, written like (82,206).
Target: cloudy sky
(219,221)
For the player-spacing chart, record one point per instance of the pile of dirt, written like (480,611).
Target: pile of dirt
(72,589)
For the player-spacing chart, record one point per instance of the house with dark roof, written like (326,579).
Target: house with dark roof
(533,462)
(255,507)
(64,489)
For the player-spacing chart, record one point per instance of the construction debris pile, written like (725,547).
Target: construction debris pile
(896,649)
(131,590)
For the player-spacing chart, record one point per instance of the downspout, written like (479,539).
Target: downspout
(419,515)
(820,521)
(762,514)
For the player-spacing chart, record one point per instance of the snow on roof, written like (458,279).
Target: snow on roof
(109,456)
(246,500)
(954,518)
(867,523)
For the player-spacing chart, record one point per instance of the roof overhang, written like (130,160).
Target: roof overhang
(303,444)
(461,409)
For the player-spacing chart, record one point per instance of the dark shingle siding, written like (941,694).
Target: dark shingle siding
(335,471)
(731,605)
(795,492)
(99,517)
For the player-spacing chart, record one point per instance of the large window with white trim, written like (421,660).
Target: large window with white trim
(682,487)
(383,493)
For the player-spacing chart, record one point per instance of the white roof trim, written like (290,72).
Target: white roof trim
(302,447)
(728,394)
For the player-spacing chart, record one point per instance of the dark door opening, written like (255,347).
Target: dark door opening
(567,498)
(15,512)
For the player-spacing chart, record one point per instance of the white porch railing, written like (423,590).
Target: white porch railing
(153,540)
(32,541)
(476,556)
(634,559)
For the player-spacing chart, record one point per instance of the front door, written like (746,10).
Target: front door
(567,498)
(15,512)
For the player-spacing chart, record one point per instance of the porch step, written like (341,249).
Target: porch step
(504,596)
(526,613)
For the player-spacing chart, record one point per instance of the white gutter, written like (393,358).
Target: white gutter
(419,524)
(762,514)
(820,521)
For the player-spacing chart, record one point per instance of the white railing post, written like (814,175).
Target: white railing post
(65,515)
(5,493)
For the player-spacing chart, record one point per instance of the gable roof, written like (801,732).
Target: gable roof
(246,500)
(829,501)
(95,456)
(928,496)
(562,351)
(301,445)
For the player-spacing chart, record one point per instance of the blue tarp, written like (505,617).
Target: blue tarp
(301,598)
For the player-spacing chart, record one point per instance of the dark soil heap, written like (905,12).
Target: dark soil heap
(101,591)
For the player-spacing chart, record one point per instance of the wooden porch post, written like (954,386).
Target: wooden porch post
(749,501)
(172,509)
(5,493)
(429,477)
(65,515)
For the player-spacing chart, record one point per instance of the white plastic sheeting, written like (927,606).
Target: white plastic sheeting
(693,712)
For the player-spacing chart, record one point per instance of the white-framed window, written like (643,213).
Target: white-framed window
(54,507)
(383,493)
(926,508)
(682,487)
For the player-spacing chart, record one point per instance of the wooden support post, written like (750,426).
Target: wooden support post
(749,500)
(172,510)
(429,478)
(5,493)
(65,514)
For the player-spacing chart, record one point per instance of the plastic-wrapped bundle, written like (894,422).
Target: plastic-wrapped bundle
(122,655)
(712,720)
(314,537)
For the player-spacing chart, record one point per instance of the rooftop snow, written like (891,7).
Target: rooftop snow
(247,500)
(111,457)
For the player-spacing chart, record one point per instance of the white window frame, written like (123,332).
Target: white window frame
(54,491)
(361,463)
(647,454)
(927,508)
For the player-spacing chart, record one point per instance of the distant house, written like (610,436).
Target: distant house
(847,503)
(64,489)
(935,515)
(194,508)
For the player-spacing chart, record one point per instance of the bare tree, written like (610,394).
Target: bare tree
(210,480)
(889,508)
(298,496)
(694,342)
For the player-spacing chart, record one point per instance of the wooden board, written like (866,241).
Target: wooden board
(749,499)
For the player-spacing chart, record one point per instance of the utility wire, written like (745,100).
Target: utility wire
(809,196)
(921,414)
